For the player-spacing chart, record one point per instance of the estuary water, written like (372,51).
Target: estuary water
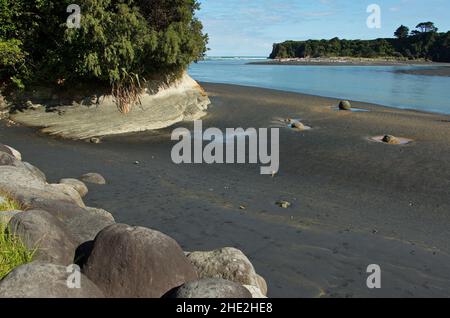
(373,84)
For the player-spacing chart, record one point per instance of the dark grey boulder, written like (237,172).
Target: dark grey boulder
(44,280)
(44,233)
(210,288)
(93,178)
(137,262)
(77,185)
(83,224)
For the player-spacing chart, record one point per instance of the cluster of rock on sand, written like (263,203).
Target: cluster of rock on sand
(116,260)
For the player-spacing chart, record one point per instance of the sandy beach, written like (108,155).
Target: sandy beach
(355,202)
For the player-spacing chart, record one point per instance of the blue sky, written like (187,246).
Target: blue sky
(250,27)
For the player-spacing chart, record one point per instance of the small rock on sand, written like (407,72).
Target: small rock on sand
(298,125)
(389,139)
(284,204)
(93,178)
(345,105)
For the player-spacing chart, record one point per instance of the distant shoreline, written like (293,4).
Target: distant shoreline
(439,69)
(347,62)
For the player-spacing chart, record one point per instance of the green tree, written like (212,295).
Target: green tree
(425,27)
(402,32)
(120,44)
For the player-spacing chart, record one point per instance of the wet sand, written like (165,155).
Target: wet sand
(355,202)
(439,71)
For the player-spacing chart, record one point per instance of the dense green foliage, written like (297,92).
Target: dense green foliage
(402,32)
(424,43)
(118,41)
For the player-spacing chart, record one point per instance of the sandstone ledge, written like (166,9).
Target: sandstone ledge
(184,100)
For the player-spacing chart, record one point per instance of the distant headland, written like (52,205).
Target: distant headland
(424,43)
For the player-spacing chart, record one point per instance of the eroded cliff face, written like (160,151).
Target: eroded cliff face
(96,115)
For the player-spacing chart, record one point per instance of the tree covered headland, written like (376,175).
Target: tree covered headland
(422,43)
(120,43)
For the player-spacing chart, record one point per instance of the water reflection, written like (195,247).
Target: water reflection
(373,84)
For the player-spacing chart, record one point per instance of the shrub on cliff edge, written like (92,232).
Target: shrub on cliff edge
(119,44)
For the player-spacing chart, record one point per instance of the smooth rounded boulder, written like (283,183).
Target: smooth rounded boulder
(227,263)
(14,152)
(83,224)
(6,216)
(35,171)
(9,160)
(101,213)
(77,185)
(45,280)
(136,262)
(44,233)
(210,288)
(6,149)
(93,178)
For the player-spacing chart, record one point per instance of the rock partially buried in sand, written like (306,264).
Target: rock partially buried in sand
(210,288)
(77,185)
(345,105)
(391,140)
(93,178)
(298,125)
(44,280)
(284,204)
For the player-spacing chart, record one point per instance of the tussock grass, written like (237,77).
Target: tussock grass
(8,204)
(13,252)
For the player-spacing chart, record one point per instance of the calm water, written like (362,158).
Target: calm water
(373,84)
